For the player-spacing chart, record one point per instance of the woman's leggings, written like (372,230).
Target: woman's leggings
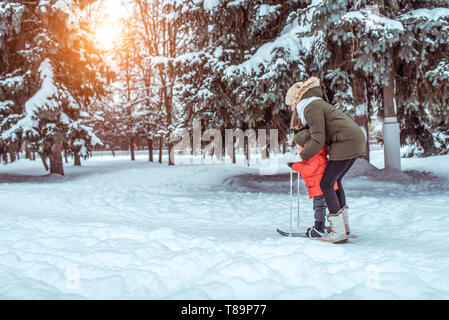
(334,172)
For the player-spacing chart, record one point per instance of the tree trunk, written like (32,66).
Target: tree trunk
(5,158)
(247,150)
(66,158)
(33,156)
(44,162)
(361,103)
(77,159)
(203,144)
(131,148)
(27,152)
(12,154)
(56,165)
(160,149)
(150,150)
(170,159)
(223,148)
(268,147)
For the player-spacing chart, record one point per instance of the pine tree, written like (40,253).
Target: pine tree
(369,51)
(244,56)
(87,76)
(16,80)
(50,112)
(423,73)
(36,115)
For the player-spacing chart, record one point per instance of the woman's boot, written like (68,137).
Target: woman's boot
(336,231)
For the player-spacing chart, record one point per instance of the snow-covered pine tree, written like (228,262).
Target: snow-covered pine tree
(369,51)
(423,74)
(247,54)
(212,47)
(87,76)
(273,60)
(106,119)
(354,53)
(16,80)
(49,54)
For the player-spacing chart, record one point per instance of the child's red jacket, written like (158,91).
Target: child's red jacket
(312,172)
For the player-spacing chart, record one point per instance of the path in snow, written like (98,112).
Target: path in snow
(116,229)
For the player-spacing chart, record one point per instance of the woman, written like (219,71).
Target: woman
(346,141)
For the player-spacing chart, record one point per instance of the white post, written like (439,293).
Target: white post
(392,147)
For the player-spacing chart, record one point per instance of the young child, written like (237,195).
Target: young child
(312,171)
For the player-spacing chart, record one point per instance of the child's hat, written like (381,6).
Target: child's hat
(296,91)
(302,137)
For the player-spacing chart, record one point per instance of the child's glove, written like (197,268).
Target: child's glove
(290,164)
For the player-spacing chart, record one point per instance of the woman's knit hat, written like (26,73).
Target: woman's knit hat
(296,91)
(302,137)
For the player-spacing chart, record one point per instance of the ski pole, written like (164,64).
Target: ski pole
(291,202)
(297,220)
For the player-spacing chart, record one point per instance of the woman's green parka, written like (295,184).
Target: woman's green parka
(330,126)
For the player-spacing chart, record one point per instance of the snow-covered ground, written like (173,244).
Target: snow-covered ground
(118,229)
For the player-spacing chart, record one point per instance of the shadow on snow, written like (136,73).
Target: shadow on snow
(363,179)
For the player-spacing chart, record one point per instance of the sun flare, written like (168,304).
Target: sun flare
(107,35)
(109,25)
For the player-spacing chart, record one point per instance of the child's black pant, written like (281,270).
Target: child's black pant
(334,172)
(319,206)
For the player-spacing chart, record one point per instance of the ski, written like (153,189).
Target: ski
(292,234)
(302,234)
